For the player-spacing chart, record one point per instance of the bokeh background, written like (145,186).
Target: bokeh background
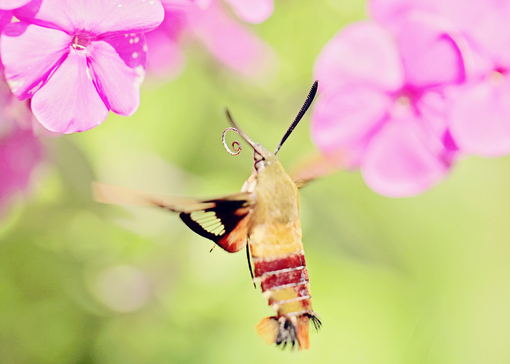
(413,280)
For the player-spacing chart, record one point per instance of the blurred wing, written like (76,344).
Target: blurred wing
(125,196)
(312,168)
(223,220)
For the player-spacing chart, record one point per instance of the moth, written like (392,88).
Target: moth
(264,218)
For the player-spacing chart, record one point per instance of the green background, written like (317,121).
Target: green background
(413,280)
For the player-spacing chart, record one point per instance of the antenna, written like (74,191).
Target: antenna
(306,105)
(235,145)
(231,119)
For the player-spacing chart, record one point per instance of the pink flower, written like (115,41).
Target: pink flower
(481,110)
(232,44)
(252,11)
(165,58)
(382,106)
(480,121)
(78,62)
(20,153)
(20,150)
(228,41)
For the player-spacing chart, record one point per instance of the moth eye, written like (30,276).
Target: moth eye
(208,221)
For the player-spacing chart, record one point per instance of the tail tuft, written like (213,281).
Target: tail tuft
(268,329)
(287,333)
(315,320)
(303,332)
(286,330)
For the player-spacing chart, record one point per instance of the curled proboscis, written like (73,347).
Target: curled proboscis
(235,144)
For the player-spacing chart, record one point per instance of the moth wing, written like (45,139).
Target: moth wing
(314,167)
(126,196)
(223,220)
(225,223)
(300,183)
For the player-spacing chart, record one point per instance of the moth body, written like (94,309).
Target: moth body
(277,254)
(264,216)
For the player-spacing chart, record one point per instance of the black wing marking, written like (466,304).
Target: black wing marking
(226,223)
(223,220)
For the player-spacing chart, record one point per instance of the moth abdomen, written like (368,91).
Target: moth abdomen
(285,283)
(286,278)
(266,266)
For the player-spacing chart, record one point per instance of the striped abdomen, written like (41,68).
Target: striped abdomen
(284,281)
(280,268)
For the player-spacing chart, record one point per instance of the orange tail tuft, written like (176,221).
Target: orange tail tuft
(267,329)
(303,332)
(285,330)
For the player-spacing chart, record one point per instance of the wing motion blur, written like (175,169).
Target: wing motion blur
(223,220)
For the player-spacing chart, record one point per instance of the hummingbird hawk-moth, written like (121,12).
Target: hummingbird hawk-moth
(264,218)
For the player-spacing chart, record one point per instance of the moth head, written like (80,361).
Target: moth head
(261,156)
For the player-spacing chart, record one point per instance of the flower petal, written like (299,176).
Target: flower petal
(165,58)
(481,118)
(482,22)
(400,162)
(13,110)
(30,53)
(389,11)
(95,16)
(486,22)
(176,4)
(434,111)
(5,18)
(12,4)
(363,52)
(252,11)
(430,50)
(118,83)
(20,153)
(69,102)
(232,44)
(345,119)
(131,48)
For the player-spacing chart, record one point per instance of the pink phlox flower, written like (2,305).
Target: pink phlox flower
(232,44)
(165,58)
(252,11)
(480,119)
(20,151)
(382,107)
(78,60)
(481,110)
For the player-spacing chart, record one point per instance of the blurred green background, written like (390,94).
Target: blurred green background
(416,280)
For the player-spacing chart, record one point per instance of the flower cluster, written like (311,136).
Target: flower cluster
(77,62)
(65,63)
(405,94)
(206,21)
